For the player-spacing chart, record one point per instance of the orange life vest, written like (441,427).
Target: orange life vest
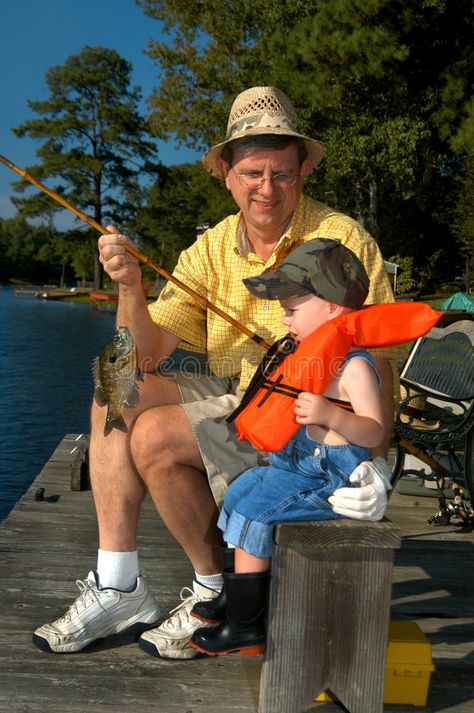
(265,416)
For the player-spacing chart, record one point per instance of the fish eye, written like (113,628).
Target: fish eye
(112,359)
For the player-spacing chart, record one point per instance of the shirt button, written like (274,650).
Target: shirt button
(317,451)
(265,306)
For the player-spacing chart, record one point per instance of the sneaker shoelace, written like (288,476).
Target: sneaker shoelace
(88,592)
(180,614)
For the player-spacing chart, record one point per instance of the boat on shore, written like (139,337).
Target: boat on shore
(107,300)
(103,300)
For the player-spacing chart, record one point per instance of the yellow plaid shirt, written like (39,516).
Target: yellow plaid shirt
(215,265)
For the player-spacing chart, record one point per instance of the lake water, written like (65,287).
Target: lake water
(46,352)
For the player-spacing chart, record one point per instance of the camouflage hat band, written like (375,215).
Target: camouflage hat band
(262,111)
(267,121)
(320,267)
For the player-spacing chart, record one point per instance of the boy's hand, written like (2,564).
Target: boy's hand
(311,408)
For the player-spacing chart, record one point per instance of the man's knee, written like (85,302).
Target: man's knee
(148,432)
(153,439)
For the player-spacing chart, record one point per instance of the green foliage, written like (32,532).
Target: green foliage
(82,250)
(95,142)
(210,59)
(463,227)
(406,281)
(27,251)
(431,269)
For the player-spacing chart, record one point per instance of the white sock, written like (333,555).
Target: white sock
(118,570)
(211,581)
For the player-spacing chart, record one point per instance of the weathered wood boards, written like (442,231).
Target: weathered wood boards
(46,545)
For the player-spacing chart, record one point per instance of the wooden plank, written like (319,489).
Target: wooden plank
(328,615)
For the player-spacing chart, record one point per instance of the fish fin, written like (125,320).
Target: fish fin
(114,422)
(133,398)
(99,396)
(96,371)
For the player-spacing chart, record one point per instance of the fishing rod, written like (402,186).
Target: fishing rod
(137,254)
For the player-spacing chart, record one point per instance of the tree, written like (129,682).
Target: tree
(96,143)
(464,223)
(208,61)
(463,142)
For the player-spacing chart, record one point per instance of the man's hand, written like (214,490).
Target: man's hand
(117,262)
(368,502)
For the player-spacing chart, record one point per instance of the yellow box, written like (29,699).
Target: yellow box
(408,666)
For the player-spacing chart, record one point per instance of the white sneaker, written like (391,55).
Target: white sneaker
(170,640)
(96,614)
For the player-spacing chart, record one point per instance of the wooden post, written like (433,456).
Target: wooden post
(328,614)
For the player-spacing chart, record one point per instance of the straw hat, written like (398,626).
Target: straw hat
(259,111)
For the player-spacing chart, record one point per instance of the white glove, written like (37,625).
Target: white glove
(370,500)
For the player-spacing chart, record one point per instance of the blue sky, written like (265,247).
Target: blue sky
(37,34)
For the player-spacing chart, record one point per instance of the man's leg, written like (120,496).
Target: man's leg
(166,454)
(118,492)
(117,486)
(171,466)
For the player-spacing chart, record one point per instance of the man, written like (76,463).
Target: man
(179,447)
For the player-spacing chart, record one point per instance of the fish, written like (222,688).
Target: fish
(115,373)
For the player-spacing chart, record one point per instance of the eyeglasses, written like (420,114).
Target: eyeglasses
(256,180)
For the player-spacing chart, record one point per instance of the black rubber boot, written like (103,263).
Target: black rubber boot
(213,610)
(228,558)
(243,626)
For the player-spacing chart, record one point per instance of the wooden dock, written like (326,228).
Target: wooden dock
(50,293)
(46,544)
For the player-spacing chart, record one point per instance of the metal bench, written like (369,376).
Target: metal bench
(440,372)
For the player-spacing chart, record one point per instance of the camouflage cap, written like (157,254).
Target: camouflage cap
(320,267)
(262,111)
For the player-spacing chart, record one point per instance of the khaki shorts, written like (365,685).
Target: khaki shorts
(208,400)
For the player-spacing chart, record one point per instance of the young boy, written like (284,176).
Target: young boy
(317,282)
